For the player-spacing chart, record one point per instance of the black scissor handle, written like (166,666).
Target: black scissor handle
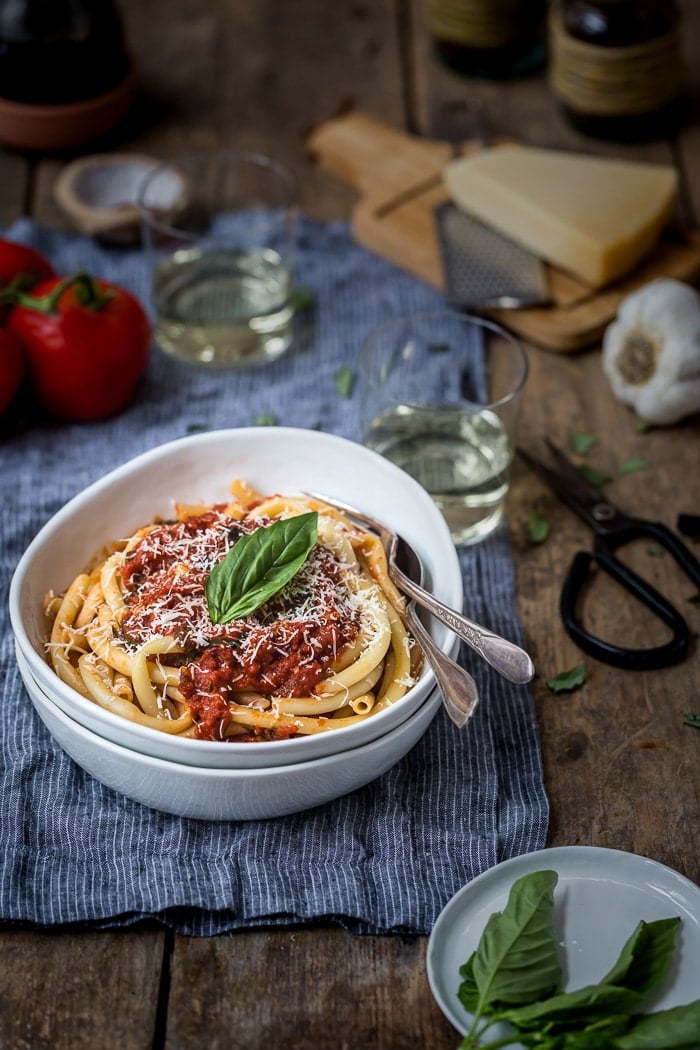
(629,659)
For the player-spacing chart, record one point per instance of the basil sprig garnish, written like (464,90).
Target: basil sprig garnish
(514,975)
(258,566)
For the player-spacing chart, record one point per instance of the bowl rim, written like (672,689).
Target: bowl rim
(169,449)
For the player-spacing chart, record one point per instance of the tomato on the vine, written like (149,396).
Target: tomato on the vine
(19,262)
(86,342)
(12,368)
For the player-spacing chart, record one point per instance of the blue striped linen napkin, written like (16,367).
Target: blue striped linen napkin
(386,858)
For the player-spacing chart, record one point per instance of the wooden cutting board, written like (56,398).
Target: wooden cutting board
(399,184)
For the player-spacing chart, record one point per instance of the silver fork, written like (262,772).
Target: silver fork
(504,656)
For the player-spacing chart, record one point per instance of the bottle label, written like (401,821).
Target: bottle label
(614,81)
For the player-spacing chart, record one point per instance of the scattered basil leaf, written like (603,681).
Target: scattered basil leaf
(537,529)
(301,298)
(581,443)
(645,955)
(258,566)
(692,720)
(674,1029)
(565,681)
(593,476)
(579,1007)
(656,552)
(468,992)
(344,381)
(632,464)
(644,426)
(502,967)
(265,419)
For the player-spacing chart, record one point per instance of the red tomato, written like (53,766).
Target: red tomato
(12,368)
(18,260)
(87,344)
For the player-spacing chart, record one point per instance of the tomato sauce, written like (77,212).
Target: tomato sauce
(285,648)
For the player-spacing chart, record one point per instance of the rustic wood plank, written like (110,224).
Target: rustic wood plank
(69,991)
(15,179)
(311,989)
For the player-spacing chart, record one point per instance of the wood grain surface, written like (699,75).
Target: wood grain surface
(620,766)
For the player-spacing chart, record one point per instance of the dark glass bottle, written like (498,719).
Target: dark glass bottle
(54,52)
(490,39)
(616,66)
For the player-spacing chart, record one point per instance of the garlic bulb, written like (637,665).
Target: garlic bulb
(651,352)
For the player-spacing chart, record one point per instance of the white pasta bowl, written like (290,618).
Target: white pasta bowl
(200,469)
(229,794)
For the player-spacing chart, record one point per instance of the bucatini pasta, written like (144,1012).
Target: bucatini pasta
(135,633)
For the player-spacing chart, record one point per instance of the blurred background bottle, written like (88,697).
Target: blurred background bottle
(492,39)
(65,73)
(616,66)
(58,51)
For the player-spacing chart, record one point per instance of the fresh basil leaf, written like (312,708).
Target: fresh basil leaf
(581,443)
(537,529)
(258,566)
(632,464)
(692,720)
(565,681)
(593,476)
(265,419)
(644,957)
(574,1008)
(644,426)
(468,993)
(674,1029)
(516,960)
(301,298)
(344,381)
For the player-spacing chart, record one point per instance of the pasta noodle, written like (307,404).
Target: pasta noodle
(328,649)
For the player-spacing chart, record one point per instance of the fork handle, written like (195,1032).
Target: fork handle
(508,659)
(458,688)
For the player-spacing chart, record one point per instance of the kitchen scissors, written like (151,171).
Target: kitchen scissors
(613,529)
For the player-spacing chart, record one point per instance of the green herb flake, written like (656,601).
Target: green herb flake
(344,381)
(566,681)
(301,299)
(265,419)
(656,552)
(258,566)
(593,476)
(692,720)
(581,443)
(537,529)
(632,464)
(644,426)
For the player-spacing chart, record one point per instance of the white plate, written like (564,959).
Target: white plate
(600,897)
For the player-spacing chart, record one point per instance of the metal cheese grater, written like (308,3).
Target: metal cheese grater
(482,268)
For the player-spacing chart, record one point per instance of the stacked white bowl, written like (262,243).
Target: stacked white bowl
(207,779)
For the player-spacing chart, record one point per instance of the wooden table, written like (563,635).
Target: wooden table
(620,766)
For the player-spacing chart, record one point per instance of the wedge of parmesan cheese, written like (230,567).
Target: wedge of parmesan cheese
(593,217)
